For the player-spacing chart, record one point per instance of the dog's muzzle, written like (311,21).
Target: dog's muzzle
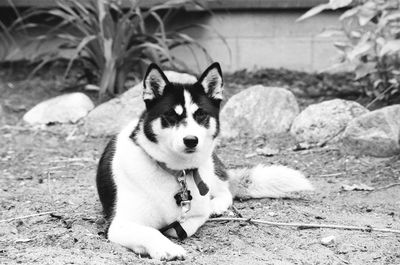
(190,142)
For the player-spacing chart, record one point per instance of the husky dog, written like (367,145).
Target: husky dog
(160,177)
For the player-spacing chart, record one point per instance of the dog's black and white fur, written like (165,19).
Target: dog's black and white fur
(176,132)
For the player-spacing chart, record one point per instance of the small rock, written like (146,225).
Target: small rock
(257,111)
(327,241)
(325,121)
(91,87)
(267,151)
(23,240)
(109,117)
(376,133)
(230,214)
(68,108)
(272,214)
(198,247)
(302,146)
(318,217)
(250,155)
(357,187)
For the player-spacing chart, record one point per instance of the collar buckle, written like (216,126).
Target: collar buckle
(183,197)
(185,208)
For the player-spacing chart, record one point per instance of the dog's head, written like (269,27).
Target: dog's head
(182,119)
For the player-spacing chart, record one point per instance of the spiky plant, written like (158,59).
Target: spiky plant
(110,41)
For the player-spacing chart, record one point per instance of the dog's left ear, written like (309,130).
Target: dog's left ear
(212,82)
(154,83)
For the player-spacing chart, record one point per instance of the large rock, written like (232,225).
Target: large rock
(325,121)
(109,117)
(376,133)
(68,108)
(258,110)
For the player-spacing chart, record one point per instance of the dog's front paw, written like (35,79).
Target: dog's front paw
(218,207)
(167,251)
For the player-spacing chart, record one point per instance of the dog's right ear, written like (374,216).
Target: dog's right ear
(212,82)
(154,83)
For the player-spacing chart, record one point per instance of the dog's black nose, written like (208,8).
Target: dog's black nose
(190,141)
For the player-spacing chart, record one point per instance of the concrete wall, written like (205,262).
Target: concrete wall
(267,38)
(254,39)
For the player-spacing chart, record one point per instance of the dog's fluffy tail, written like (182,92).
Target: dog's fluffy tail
(266,181)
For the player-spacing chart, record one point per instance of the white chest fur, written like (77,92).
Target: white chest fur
(145,192)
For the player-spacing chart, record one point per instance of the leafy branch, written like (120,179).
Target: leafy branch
(371,49)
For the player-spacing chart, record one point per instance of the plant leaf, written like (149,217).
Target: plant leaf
(328,33)
(342,46)
(78,49)
(364,69)
(335,4)
(391,46)
(389,17)
(366,12)
(349,13)
(359,49)
(314,11)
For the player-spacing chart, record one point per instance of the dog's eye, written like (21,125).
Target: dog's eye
(200,115)
(170,117)
(171,112)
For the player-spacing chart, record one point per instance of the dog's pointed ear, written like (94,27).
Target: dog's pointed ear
(212,82)
(154,82)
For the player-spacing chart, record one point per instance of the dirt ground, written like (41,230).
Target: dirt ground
(53,169)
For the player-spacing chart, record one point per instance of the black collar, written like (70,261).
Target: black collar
(203,188)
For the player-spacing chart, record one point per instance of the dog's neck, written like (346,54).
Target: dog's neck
(203,188)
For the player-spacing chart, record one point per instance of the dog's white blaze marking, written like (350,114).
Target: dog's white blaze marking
(192,128)
(179,110)
(188,103)
(193,108)
(190,106)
